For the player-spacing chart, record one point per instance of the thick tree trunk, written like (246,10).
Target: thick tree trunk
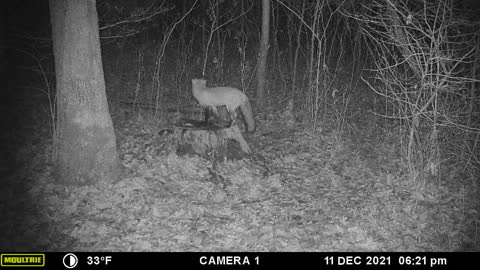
(262,57)
(85,142)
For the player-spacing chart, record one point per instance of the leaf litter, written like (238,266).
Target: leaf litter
(298,192)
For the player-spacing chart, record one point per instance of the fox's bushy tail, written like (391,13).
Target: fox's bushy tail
(247,113)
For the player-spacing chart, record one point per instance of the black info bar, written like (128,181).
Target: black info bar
(239,260)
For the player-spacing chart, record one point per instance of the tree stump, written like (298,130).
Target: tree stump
(207,139)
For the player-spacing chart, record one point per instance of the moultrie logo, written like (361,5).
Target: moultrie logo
(22,259)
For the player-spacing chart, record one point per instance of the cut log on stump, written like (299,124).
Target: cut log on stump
(223,142)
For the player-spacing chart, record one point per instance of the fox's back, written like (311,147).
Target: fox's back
(217,96)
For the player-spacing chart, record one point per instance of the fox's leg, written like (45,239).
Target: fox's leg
(206,113)
(209,111)
(214,111)
(232,115)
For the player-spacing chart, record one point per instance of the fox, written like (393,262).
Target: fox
(232,98)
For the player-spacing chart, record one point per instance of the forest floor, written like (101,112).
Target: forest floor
(300,191)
